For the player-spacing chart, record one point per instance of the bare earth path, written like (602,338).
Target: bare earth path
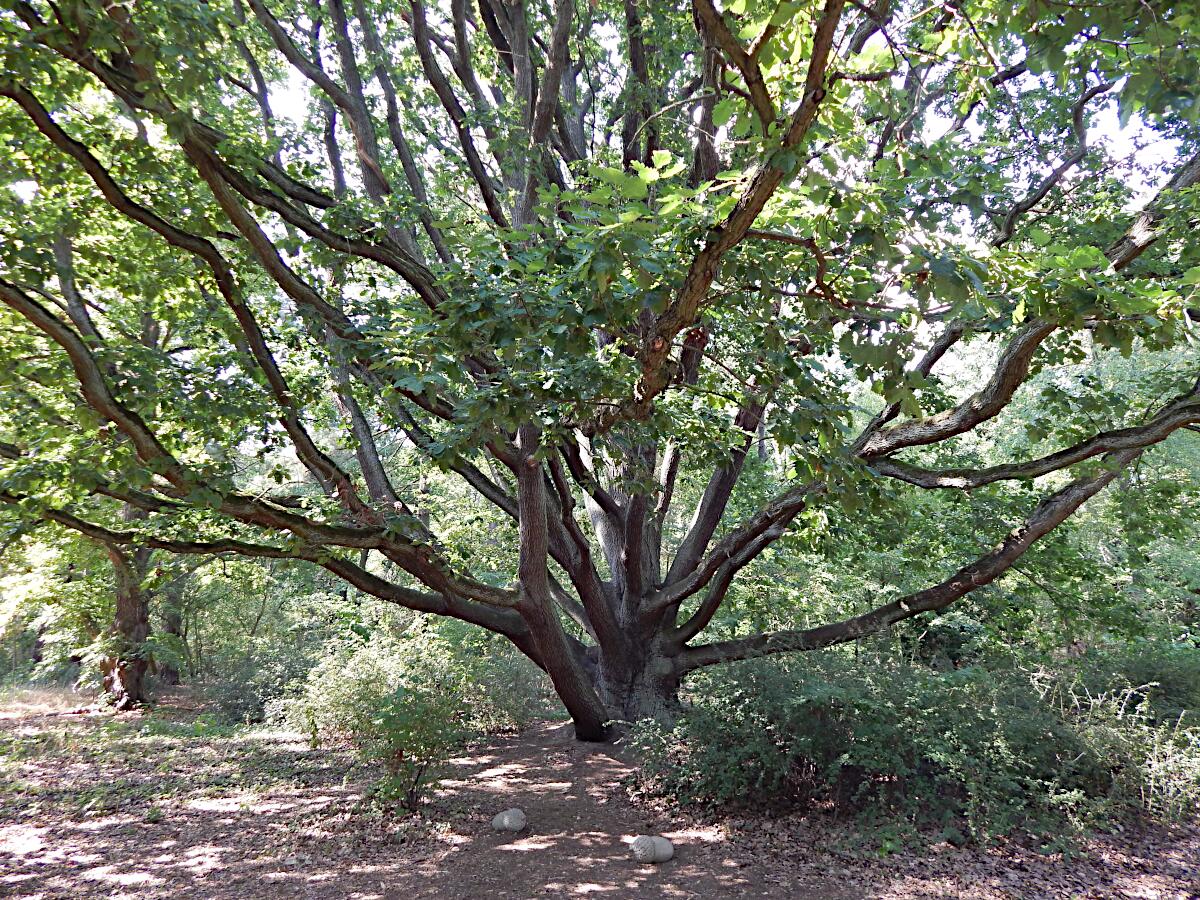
(169,806)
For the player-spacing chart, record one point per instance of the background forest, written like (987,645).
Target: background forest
(1063,694)
(804,394)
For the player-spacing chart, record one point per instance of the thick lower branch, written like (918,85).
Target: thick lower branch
(1048,515)
(1180,414)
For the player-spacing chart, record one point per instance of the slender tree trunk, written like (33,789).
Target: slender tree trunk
(172,624)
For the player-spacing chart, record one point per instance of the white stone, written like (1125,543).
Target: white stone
(650,848)
(510,820)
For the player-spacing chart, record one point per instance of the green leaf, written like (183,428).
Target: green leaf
(724,111)
(1039,236)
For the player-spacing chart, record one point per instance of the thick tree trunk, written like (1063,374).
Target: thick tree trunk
(124,673)
(558,656)
(169,666)
(566,671)
(639,680)
(650,690)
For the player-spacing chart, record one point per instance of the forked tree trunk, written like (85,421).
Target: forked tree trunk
(650,691)
(611,693)
(124,672)
(606,688)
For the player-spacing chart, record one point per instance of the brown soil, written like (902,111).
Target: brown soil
(129,805)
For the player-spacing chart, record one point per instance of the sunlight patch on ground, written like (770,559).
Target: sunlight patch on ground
(450,785)
(294,740)
(101,824)
(244,802)
(21,840)
(203,859)
(691,835)
(481,760)
(110,875)
(592,838)
(36,850)
(530,843)
(589,888)
(22,702)
(502,773)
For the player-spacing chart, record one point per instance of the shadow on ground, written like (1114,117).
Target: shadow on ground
(97,805)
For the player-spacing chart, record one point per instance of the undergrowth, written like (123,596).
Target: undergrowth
(971,753)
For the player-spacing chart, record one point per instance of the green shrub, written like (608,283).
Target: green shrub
(1167,674)
(252,682)
(414,733)
(342,694)
(411,701)
(1155,763)
(1168,780)
(967,750)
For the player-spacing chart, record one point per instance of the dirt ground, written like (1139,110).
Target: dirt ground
(169,805)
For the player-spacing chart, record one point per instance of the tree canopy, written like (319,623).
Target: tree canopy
(265,263)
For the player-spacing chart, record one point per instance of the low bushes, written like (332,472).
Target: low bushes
(974,751)
(407,699)
(1165,674)
(251,683)
(411,702)
(414,731)
(499,689)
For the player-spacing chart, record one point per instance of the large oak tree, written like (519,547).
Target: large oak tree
(572,252)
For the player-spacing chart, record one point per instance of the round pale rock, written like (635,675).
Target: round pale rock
(650,848)
(510,820)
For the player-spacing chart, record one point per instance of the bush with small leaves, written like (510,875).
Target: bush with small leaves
(1166,674)
(410,701)
(252,683)
(414,733)
(343,693)
(983,752)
